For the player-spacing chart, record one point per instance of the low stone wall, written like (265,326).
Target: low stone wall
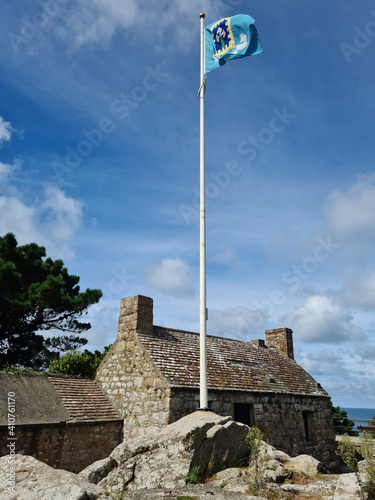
(87,442)
(70,446)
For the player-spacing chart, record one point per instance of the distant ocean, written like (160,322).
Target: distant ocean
(360,416)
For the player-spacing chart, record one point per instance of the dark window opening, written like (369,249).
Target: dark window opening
(244,413)
(307,422)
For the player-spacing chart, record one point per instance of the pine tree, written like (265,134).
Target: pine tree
(37,294)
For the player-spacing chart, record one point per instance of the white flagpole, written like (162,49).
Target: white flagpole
(203,307)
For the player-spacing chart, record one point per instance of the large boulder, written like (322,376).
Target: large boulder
(35,480)
(314,489)
(198,443)
(305,465)
(272,453)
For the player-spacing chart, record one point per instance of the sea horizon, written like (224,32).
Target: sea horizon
(360,416)
(356,408)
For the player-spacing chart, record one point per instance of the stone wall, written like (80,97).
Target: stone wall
(69,446)
(129,378)
(280,417)
(87,442)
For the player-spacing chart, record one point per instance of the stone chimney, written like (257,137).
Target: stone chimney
(282,339)
(136,315)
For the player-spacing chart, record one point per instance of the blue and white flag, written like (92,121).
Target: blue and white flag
(230,38)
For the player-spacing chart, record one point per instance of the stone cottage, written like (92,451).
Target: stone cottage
(64,421)
(151,376)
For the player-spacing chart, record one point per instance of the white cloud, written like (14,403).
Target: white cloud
(324,362)
(350,214)
(103,318)
(360,389)
(359,291)
(6,130)
(237,322)
(348,389)
(6,170)
(172,276)
(365,352)
(51,221)
(98,20)
(320,319)
(63,214)
(343,372)
(18,218)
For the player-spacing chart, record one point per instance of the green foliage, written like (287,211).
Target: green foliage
(368,451)
(341,423)
(192,477)
(16,370)
(74,362)
(347,451)
(185,498)
(254,440)
(36,294)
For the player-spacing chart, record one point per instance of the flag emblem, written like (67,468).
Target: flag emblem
(230,38)
(223,37)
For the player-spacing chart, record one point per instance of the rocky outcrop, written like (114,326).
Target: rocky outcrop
(286,477)
(158,466)
(198,443)
(35,480)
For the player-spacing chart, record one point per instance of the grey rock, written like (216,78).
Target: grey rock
(275,454)
(275,472)
(201,492)
(347,488)
(361,465)
(232,480)
(228,474)
(201,440)
(306,465)
(156,466)
(315,489)
(37,481)
(98,470)
(237,485)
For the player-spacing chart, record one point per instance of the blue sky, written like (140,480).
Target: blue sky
(99,162)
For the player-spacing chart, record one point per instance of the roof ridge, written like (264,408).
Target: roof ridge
(66,376)
(208,335)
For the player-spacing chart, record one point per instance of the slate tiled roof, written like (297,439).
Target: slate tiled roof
(82,398)
(231,364)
